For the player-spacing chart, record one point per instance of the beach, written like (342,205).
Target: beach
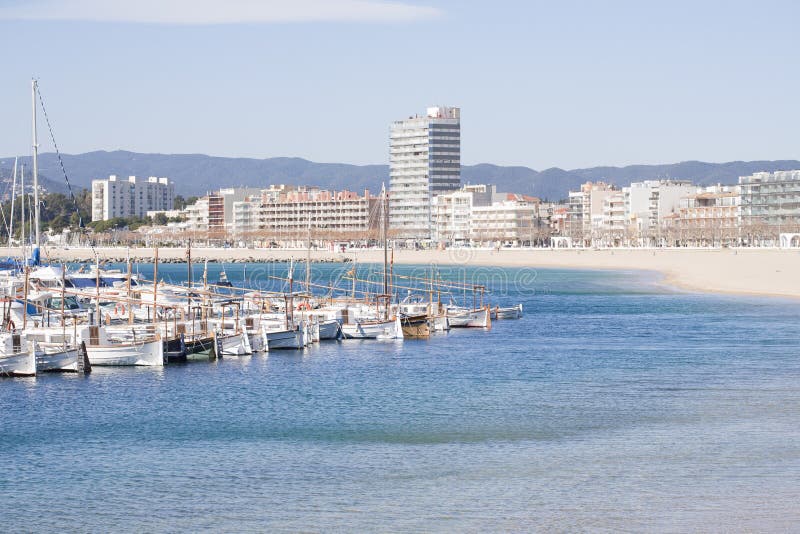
(765,272)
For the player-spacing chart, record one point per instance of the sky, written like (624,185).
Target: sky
(543,84)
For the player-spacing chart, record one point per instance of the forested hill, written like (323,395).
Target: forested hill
(196,174)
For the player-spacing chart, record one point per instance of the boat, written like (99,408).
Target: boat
(415,326)
(329,329)
(235,344)
(388,329)
(200,347)
(103,350)
(440,323)
(17,358)
(511,312)
(56,348)
(223,280)
(57,358)
(175,349)
(467,318)
(292,338)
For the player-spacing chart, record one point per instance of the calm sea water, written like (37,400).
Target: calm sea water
(614,404)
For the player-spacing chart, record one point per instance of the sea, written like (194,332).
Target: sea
(615,404)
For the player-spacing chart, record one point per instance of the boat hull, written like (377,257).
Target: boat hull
(514,312)
(470,319)
(233,344)
(147,353)
(329,329)
(285,339)
(19,364)
(256,341)
(373,330)
(440,323)
(64,360)
(416,326)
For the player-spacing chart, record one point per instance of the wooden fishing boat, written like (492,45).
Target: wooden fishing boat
(511,312)
(469,318)
(16,357)
(415,326)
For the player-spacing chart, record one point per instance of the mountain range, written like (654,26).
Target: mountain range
(196,174)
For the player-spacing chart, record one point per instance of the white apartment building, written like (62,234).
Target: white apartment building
(649,201)
(508,222)
(615,219)
(197,215)
(771,199)
(587,204)
(231,195)
(452,212)
(479,214)
(424,161)
(130,198)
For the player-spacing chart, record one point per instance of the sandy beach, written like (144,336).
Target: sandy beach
(767,272)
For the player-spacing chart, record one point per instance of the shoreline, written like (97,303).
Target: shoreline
(752,272)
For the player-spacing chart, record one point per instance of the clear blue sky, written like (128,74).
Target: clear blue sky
(567,83)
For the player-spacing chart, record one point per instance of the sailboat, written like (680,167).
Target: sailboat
(289,335)
(384,327)
(54,352)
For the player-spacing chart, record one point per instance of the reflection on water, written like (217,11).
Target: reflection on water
(612,404)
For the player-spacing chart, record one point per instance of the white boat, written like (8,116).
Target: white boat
(252,327)
(256,341)
(17,358)
(466,318)
(512,312)
(391,329)
(329,329)
(284,339)
(441,323)
(236,344)
(57,358)
(57,348)
(146,353)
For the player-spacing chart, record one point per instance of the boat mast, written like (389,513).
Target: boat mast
(189,273)
(288,302)
(35,163)
(13,195)
(206,300)
(155,286)
(63,296)
(308,258)
(291,291)
(25,301)
(22,207)
(384,217)
(97,290)
(355,269)
(128,288)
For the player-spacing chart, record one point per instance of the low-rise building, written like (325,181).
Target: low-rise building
(647,203)
(710,216)
(507,222)
(287,214)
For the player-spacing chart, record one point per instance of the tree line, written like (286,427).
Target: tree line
(58,211)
